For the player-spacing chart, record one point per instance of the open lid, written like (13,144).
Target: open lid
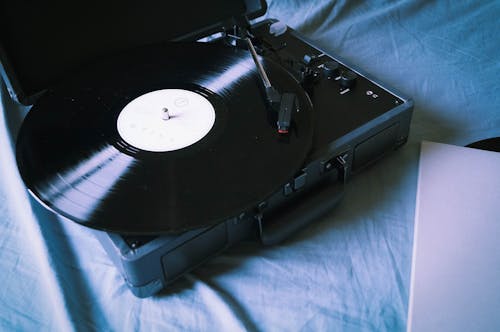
(42,41)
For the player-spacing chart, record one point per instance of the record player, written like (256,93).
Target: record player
(177,131)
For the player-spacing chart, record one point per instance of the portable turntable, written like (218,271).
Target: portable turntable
(177,136)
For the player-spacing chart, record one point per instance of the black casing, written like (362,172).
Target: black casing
(353,128)
(349,136)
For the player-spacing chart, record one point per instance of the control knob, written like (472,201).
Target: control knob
(331,69)
(348,79)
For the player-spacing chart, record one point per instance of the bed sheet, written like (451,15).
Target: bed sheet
(349,271)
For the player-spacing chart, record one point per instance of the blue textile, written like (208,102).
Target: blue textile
(350,270)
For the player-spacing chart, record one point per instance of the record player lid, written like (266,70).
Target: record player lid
(43,41)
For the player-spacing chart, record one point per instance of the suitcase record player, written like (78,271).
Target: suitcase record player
(278,126)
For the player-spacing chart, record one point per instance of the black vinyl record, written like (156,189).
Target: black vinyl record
(489,144)
(74,160)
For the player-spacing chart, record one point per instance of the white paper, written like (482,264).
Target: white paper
(456,251)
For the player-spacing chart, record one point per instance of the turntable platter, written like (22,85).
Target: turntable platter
(161,139)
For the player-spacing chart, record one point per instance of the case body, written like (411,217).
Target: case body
(354,126)
(344,141)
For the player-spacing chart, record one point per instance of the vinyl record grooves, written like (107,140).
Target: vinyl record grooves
(74,160)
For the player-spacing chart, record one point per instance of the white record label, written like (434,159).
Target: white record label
(166,120)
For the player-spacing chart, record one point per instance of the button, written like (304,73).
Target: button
(287,189)
(310,76)
(308,58)
(327,166)
(348,79)
(277,28)
(299,181)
